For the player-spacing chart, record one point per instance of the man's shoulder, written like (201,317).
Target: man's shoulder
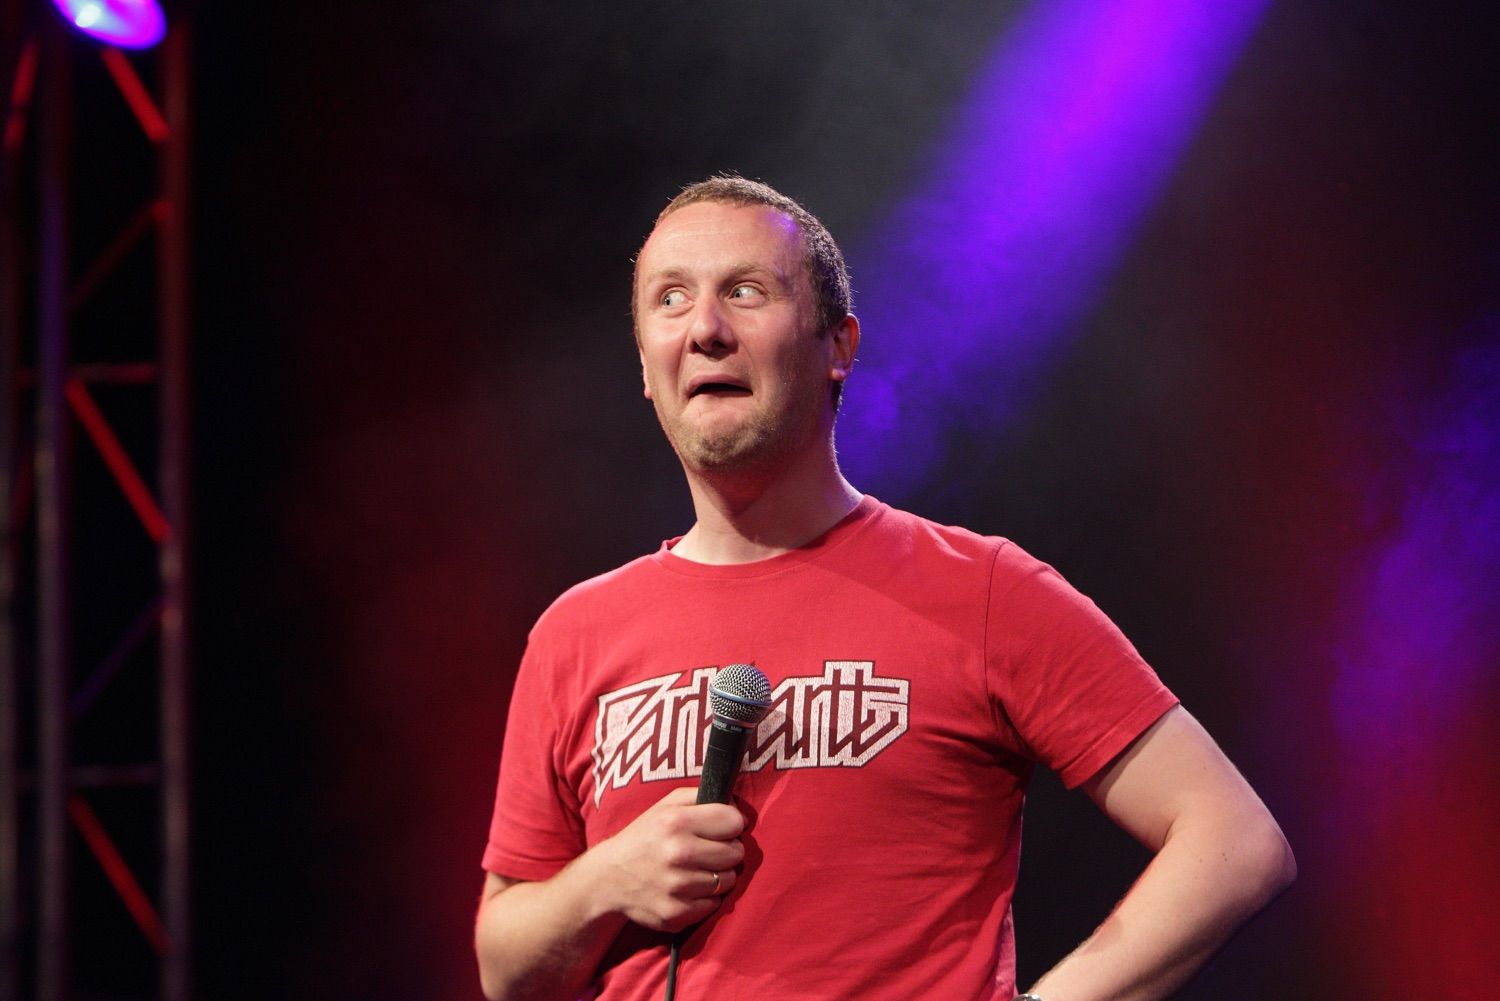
(913,530)
(944,542)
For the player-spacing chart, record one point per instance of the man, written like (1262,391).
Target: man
(919,672)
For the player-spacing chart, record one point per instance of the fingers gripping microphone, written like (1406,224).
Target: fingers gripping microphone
(740,696)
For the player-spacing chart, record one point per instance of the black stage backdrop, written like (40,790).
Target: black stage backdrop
(419,419)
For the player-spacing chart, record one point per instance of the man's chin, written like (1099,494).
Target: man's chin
(747,447)
(722,454)
(718,457)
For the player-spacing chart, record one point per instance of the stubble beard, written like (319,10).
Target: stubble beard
(763,443)
(754,443)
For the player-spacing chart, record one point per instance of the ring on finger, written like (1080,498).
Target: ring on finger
(715,888)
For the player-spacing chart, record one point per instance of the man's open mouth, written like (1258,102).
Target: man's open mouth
(719,389)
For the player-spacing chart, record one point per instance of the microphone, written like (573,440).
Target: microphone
(740,697)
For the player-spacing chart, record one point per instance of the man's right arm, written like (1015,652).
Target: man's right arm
(544,940)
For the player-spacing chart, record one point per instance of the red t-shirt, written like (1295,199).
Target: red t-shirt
(918,673)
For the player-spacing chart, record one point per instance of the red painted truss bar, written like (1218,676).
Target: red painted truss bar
(109,259)
(115,457)
(20,97)
(100,777)
(117,373)
(128,373)
(114,776)
(136,95)
(119,874)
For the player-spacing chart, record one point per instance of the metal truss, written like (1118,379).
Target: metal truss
(94,438)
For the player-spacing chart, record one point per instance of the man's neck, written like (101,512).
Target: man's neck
(743,519)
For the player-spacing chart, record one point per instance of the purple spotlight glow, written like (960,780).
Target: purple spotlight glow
(1424,629)
(130,24)
(1066,139)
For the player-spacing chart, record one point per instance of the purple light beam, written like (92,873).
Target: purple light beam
(1068,137)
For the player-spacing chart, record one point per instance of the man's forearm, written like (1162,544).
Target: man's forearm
(1202,885)
(667,869)
(542,941)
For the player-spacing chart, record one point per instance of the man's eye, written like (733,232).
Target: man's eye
(676,297)
(744,292)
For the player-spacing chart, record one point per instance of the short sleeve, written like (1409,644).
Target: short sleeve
(536,827)
(1063,676)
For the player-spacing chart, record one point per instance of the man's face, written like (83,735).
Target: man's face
(731,361)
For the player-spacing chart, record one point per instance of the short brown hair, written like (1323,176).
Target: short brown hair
(823,260)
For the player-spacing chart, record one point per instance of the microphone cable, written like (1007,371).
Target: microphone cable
(672,967)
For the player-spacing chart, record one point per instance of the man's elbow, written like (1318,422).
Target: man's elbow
(502,977)
(494,984)
(491,980)
(1287,870)
(489,984)
(1269,862)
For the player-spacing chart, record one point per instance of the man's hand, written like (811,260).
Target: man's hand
(545,939)
(659,870)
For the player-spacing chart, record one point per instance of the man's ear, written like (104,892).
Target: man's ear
(843,339)
(645,385)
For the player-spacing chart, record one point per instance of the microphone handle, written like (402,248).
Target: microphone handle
(721,761)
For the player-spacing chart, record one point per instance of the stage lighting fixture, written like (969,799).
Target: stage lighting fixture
(130,24)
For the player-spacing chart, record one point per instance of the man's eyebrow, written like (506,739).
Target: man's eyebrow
(748,268)
(661,273)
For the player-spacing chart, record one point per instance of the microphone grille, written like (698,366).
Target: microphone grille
(740,694)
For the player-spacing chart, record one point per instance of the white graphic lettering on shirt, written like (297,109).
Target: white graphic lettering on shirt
(840,719)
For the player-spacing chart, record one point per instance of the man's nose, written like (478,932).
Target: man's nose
(710,330)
